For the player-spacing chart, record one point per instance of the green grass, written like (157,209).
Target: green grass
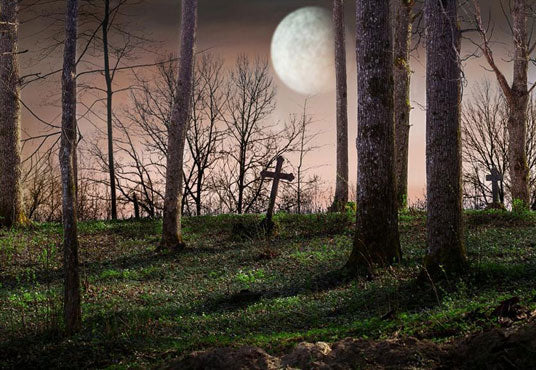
(231,286)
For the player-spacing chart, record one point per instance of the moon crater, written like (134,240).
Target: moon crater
(303,51)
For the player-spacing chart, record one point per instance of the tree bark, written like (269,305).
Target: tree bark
(171,233)
(72,310)
(109,117)
(443,140)
(341,183)
(518,103)
(402,19)
(11,213)
(376,238)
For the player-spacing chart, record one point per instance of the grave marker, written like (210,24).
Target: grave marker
(277,176)
(495,177)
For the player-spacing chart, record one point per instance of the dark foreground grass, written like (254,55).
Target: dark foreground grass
(231,286)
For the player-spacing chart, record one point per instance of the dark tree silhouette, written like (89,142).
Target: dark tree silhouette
(443,138)
(109,99)
(376,238)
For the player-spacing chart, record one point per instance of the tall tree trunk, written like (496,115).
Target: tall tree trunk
(443,140)
(341,183)
(402,19)
(109,117)
(171,233)
(376,238)
(72,310)
(11,213)
(518,103)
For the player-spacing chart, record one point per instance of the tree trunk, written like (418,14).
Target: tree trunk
(402,19)
(341,183)
(518,103)
(171,233)
(109,117)
(199,193)
(376,238)
(136,207)
(72,310)
(443,140)
(11,213)
(241,177)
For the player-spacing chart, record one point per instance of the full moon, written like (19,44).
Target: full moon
(303,51)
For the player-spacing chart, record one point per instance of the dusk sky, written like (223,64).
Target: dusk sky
(233,27)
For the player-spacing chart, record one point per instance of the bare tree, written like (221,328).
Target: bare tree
(205,134)
(109,96)
(209,140)
(119,52)
(516,94)
(152,100)
(42,188)
(445,248)
(402,30)
(72,309)
(115,45)
(171,232)
(11,208)
(341,183)
(138,182)
(103,35)
(299,196)
(376,236)
(251,144)
(142,142)
(486,145)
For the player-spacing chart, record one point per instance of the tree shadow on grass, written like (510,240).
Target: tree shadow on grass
(50,276)
(144,259)
(112,336)
(409,295)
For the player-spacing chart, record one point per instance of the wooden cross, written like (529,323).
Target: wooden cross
(495,177)
(277,176)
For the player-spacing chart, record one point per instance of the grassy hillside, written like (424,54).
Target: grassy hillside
(233,287)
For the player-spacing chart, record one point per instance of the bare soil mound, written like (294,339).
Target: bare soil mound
(510,348)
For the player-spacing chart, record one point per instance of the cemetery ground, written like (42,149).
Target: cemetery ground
(232,287)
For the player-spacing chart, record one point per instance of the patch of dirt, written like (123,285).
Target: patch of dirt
(346,354)
(353,353)
(243,358)
(512,348)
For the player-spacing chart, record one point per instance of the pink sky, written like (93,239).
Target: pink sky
(230,28)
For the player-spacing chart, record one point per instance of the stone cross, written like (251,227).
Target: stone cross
(495,177)
(277,176)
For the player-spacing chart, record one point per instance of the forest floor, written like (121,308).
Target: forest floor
(232,288)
